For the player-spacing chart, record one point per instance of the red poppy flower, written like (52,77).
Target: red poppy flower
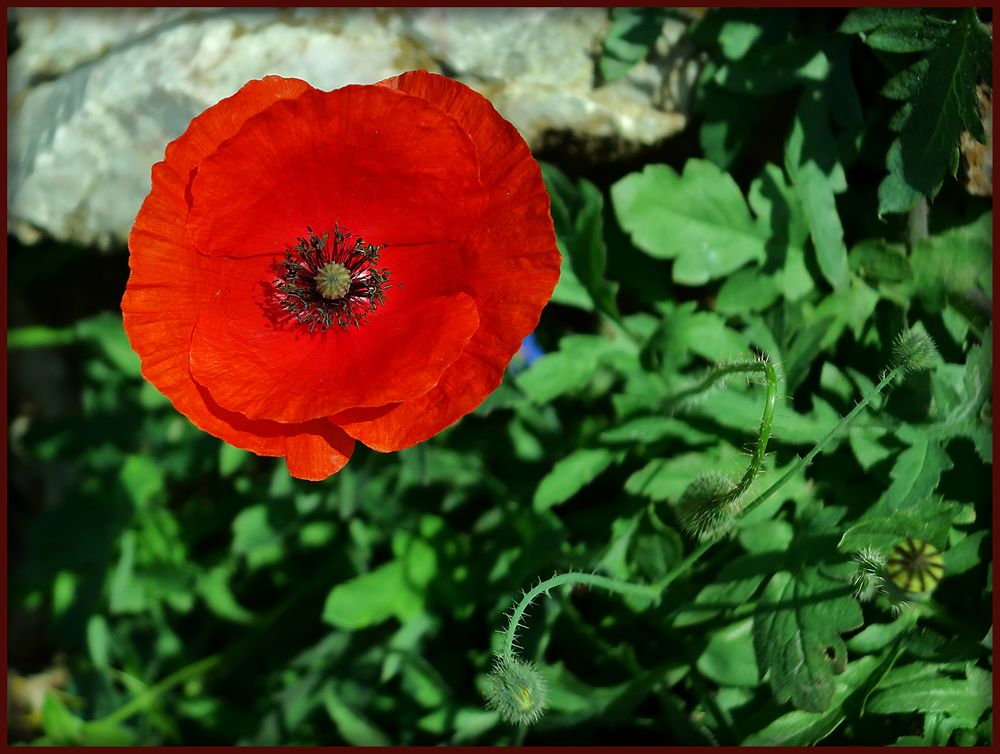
(313,268)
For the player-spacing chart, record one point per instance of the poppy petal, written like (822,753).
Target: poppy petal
(511,265)
(222,120)
(170,283)
(256,359)
(366,157)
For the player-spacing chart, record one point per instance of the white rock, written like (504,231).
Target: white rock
(94,96)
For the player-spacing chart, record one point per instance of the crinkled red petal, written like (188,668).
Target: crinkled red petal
(171,284)
(255,358)
(385,165)
(221,121)
(510,262)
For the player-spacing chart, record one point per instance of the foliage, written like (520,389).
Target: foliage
(168,589)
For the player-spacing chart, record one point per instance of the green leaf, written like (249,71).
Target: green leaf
(367,599)
(797,627)
(780,213)
(917,471)
(877,636)
(966,699)
(946,104)
(125,594)
(254,537)
(774,68)
(645,430)
(231,459)
(729,658)
(733,585)
(395,588)
(746,290)
(632,34)
(798,728)
(667,478)
(59,724)
(354,728)
(954,264)
(964,555)
(143,480)
(699,218)
(813,163)
(907,82)
(106,331)
(578,215)
(896,29)
(572,367)
(213,586)
(908,508)
(894,193)
(99,641)
(570,475)
(727,126)
(964,408)
(588,252)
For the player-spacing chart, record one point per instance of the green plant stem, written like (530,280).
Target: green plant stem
(561,579)
(805,460)
(142,701)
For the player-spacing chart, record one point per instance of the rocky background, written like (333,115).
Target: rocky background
(94,95)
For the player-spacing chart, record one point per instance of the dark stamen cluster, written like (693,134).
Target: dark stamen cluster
(296,282)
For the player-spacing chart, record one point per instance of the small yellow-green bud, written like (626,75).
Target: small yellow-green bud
(516,690)
(333,281)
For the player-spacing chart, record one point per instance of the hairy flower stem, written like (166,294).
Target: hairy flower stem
(805,460)
(560,579)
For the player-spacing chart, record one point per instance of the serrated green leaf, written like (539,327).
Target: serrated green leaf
(964,555)
(746,291)
(813,163)
(728,658)
(928,520)
(908,508)
(727,126)
(907,82)
(632,34)
(650,429)
(570,475)
(896,29)
(946,104)
(577,211)
(954,264)
(699,218)
(797,627)
(916,473)
(774,68)
(570,368)
(798,728)
(962,399)
(895,195)
(966,699)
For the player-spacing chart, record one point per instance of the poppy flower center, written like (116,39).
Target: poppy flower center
(331,279)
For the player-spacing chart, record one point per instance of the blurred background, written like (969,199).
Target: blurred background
(165,588)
